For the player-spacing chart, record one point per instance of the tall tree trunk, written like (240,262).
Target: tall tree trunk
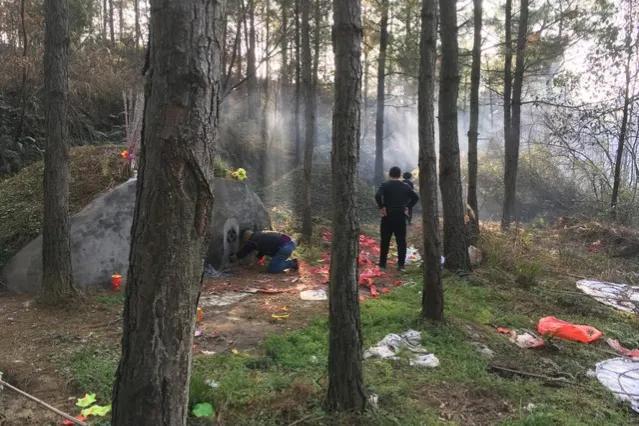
(455,248)
(111,23)
(309,121)
(298,88)
(284,70)
(474,118)
(381,82)
(105,19)
(57,279)
(624,120)
(345,382)
(173,208)
(433,293)
(23,85)
(514,135)
(267,99)
(138,33)
(508,80)
(364,119)
(121,20)
(251,67)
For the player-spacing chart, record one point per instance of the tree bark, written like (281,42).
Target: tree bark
(381,83)
(57,279)
(251,69)
(173,208)
(309,121)
(433,293)
(345,381)
(514,135)
(474,118)
(455,248)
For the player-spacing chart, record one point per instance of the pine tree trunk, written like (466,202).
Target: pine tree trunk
(284,71)
(513,140)
(298,88)
(121,19)
(309,121)
(173,208)
(508,80)
(267,100)
(474,117)
(433,294)
(57,279)
(345,382)
(105,19)
(111,23)
(251,68)
(381,82)
(455,248)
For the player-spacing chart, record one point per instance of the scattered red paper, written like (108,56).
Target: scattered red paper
(551,326)
(617,346)
(261,261)
(595,247)
(67,422)
(373,290)
(503,330)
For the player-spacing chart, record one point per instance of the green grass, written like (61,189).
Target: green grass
(285,379)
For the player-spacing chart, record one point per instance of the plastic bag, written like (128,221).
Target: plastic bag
(551,326)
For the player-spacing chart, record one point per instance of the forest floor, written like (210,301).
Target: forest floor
(260,358)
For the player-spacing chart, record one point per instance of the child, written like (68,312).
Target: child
(407,180)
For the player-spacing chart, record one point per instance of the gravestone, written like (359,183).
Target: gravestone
(101,233)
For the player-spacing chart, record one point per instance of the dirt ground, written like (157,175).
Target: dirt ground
(239,310)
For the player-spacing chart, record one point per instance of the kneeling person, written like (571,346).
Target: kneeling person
(277,246)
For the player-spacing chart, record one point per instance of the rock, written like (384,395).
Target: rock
(100,236)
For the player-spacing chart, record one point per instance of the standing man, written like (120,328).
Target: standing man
(394,198)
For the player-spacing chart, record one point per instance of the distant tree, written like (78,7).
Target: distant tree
(298,88)
(455,248)
(381,87)
(173,208)
(433,293)
(138,32)
(251,64)
(511,159)
(57,279)
(474,116)
(309,120)
(345,383)
(628,77)
(111,23)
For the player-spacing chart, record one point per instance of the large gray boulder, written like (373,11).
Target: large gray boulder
(101,232)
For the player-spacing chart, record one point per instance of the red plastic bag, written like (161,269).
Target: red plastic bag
(551,326)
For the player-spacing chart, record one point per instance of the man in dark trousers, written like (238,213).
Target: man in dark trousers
(394,198)
(277,246)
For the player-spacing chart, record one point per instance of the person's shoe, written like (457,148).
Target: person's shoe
(296,265)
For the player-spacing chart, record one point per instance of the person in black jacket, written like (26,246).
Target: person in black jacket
(277,246)
(394,198)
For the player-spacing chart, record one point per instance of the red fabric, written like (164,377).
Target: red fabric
(551,326)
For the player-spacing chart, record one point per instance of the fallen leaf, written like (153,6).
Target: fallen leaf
(87,400)
(97,410)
